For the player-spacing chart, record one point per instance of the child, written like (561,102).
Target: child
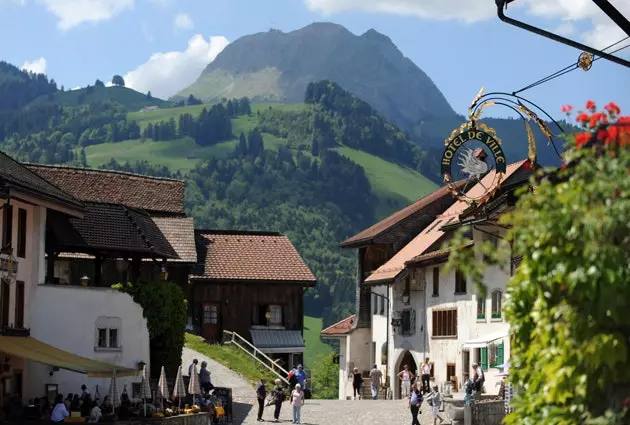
(435,401)
(468,389)
(297,401)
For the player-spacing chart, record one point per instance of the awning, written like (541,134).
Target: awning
(277,341)
(483,341)
(37,351)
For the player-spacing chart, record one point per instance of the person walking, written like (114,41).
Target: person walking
(357,381)
(405,377)
(278,398)
(426,376)
(435,400)
(297,401)
(376,380)
(204,378)
(415,401)
(261,394)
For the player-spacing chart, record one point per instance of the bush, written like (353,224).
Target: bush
(164,307)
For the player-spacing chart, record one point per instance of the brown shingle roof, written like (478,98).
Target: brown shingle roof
(250,256)
(433,256)
(342,327)
(115,187)
(17,176)
(365,236)
(180,232)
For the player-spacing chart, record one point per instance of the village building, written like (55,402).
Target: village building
(419,310)
(252,284)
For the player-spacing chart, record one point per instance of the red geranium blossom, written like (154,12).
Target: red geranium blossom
(598,118)
(583,118)
(612,109)
(567,109)
(581,139)
(590,105)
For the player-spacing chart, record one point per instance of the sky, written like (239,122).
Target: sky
(163,45)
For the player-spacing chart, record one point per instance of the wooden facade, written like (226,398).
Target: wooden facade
(241,306)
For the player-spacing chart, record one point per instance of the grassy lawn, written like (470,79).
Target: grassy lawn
(315,348)
(231,357)
(395,186)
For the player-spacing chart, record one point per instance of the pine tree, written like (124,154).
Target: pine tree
(83,158)
(242,144)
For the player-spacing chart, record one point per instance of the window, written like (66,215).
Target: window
(382,305)
(436,281)
(275,316)
(444,323)
(496,304)
(460,282)
(495,355)
(7,225)
(481,308)
(108,333)
(492,239)
(408,327)
(19,305)
(21,242)
(210,314)
(5,293)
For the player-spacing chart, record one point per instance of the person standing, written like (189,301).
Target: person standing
(357,381)
(278,398)
(435,400)
(405,377)
(297,401)
(190,368)
(204,378)
(261,394)
(300,375)
(479,377)
(468,389)
(415,401)
(426,375)
(376,380)
(59,413)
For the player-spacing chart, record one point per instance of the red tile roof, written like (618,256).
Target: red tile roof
(342,327)
(180,233)
(250,256)
(438,255)
(387,223)
(114,187)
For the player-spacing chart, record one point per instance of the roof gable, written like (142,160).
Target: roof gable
(153,194)
(250,256)
(340,328)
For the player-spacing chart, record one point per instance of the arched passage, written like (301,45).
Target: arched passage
(406,358)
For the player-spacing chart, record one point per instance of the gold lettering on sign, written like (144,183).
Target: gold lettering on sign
(479,135)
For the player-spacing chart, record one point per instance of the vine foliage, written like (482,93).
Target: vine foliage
(164,307)
(568,302)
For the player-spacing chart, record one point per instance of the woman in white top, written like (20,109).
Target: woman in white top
(297,401)
(435,400)
(59,413)
(405,376)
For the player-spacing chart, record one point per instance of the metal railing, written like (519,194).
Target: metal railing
(271,365)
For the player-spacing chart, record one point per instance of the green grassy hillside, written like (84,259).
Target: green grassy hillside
(130,99)
(315,347)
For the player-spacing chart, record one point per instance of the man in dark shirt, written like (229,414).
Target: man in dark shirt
(261,394)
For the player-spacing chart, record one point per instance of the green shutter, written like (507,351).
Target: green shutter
(484,358)
(500,354)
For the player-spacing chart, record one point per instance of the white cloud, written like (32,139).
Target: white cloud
(565,29)
(183,22)
(38,66)
(602,32)
(75,12)
(167,73)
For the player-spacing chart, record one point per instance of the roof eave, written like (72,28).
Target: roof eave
(208,279)
(74,209)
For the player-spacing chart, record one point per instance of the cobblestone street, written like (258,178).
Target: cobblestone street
(314,412)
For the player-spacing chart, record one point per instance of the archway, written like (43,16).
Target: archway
(405,359)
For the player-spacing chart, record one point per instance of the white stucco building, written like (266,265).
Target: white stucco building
(417,308)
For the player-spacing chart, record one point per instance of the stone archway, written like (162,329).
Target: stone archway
(406,358)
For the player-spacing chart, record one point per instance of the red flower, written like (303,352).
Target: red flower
(583,118)
(565,166)
(567,109)
(590,105)
(612,109)
(603,135)
(581,139)
(598,118)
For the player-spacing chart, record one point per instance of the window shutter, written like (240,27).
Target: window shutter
(484,358)
(500,354)
(412,327)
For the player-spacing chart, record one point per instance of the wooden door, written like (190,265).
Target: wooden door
(450,374)
(210,322)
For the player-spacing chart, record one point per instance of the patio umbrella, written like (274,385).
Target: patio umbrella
(145,388)
(163,386)
(113,393)
(193,386)
(179,390)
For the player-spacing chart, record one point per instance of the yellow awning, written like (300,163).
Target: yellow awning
(37,351)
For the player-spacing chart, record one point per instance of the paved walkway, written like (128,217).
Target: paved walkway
(314,412)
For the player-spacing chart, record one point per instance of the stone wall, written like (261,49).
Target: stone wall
(489,412)
(197,419)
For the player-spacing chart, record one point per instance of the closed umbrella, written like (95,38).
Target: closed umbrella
(163,386)
(113,393)
(179,390)
(145,388)
(193,386)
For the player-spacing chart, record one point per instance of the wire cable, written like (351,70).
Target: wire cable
(570,68)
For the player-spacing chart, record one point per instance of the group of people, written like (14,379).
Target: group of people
(376,382)
(297,381)
(89,408)
(204,376)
